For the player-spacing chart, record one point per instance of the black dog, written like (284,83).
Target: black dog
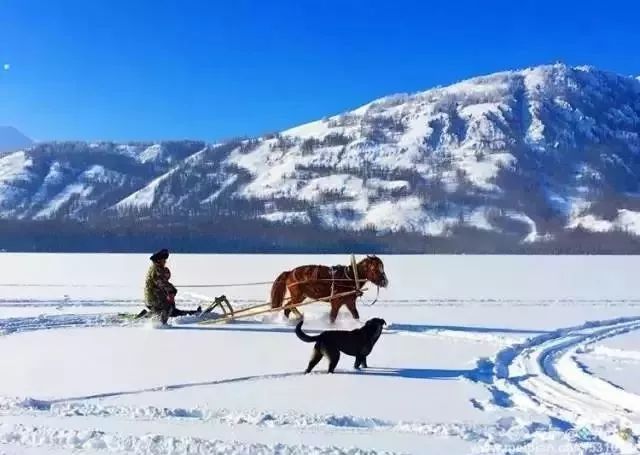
(357,343)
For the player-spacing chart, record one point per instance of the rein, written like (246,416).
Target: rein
(377,294)
(354,266)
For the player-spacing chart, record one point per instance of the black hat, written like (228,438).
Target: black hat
(162,254)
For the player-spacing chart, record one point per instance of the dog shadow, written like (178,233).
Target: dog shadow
(411,373)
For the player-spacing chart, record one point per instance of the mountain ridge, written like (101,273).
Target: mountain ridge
(531,153)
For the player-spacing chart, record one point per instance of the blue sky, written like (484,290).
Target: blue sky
(136,70)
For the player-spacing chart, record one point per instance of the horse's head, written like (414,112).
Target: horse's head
(374,271)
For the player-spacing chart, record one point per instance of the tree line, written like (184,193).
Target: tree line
(233,235)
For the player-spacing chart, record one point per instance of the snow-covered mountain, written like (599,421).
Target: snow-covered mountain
(529,153)
(11,139)
(79,180)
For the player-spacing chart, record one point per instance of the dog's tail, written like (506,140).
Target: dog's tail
(279,289)
(303,336)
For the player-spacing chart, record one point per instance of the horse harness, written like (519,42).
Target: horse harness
(335,276)
(345,270)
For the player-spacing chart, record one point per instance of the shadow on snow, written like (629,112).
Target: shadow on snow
(419,328)
(253,326)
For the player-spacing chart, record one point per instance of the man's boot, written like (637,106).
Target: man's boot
(164,316)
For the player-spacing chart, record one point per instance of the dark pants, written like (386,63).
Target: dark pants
(165,311)
(176,312)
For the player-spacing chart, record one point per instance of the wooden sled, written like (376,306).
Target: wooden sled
(219,302)
(266,308)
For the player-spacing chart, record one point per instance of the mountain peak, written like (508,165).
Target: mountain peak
(11,139)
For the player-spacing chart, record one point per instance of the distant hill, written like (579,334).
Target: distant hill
(544,159)
(11,139)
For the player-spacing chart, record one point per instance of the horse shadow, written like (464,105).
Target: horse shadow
(236,329)
(245,327)
(421,328)
(255,326)
(286,326)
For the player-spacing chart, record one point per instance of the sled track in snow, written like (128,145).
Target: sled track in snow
(542,375)
(57,321)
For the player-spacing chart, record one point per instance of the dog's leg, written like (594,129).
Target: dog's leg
(364,362)
(334,357)
(360,359)
(316,356)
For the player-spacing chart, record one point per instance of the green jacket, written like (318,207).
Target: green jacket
(157,286)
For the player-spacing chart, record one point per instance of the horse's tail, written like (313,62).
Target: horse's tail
(279,289)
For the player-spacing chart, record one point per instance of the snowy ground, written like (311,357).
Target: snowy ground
(481,355)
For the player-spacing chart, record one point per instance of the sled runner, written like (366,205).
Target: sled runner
(131,316)
(220,301)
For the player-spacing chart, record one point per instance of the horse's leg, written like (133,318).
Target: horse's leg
(299,299)
(335,306)
(351,306)
(296,297)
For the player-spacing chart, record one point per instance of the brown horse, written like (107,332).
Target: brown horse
(319,281)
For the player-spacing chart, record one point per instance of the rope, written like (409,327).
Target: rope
(295,283)
(333,281)
(261,283)
(60,285)
(376,299)
(354,266)
(223,285)
(227,285)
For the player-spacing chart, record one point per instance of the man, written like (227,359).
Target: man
(159,293)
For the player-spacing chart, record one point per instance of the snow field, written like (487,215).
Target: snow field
(480,355)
